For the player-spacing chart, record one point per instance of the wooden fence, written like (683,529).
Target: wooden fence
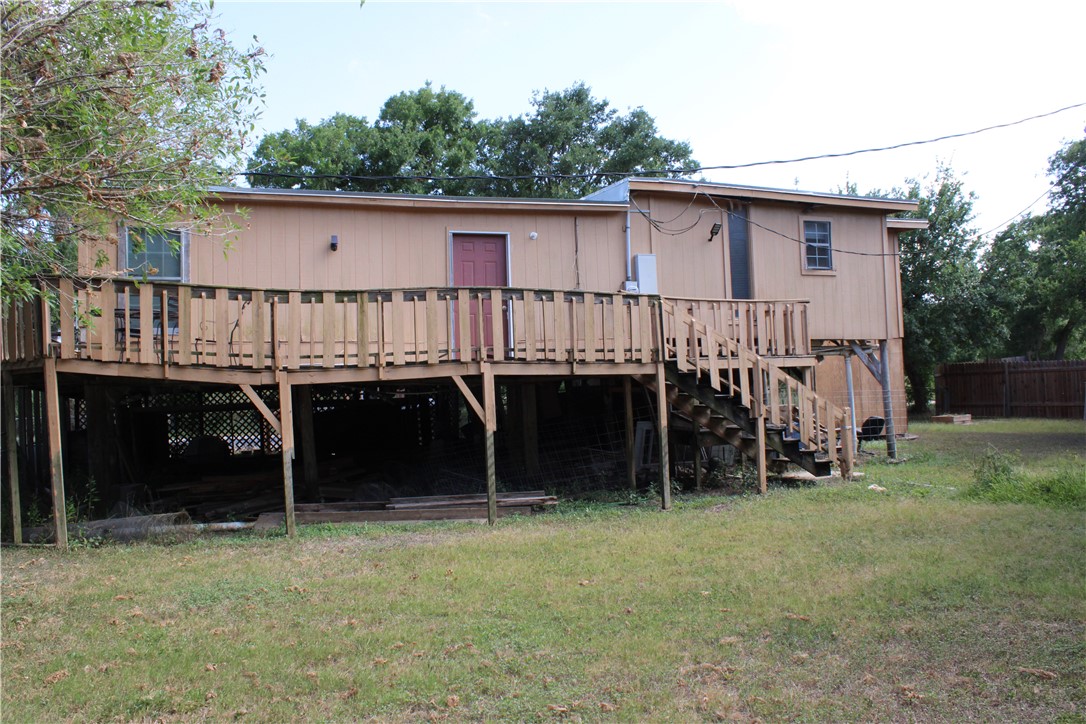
(1013,389)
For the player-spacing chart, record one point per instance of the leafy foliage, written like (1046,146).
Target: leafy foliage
(126,109)
(941,298)
(422,137)
(1035,270)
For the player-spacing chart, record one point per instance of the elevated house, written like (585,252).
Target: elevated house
(330,327)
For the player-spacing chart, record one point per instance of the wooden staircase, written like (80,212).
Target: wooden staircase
(748,401)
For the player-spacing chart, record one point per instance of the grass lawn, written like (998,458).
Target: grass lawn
(825,603)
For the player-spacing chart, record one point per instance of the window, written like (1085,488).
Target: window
(817,252)
(154,254)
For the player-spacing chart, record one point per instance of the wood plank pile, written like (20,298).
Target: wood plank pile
(400,510)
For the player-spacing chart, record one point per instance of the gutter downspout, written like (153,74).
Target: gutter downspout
(629,259)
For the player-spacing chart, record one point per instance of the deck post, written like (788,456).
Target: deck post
(491,426)
(631,464)
(759,429)
(309,442)
(851,398)
(11,452)
(56,460)
(662,414)
(286,422)
(887,399)
(695,448)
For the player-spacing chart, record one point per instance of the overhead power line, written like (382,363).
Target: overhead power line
(665,171)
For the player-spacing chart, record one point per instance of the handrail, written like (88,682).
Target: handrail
(762,386)
(107,320)
(771,327)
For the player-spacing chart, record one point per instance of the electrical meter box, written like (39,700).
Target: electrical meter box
(644,269)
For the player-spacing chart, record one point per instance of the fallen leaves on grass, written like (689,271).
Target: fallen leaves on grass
(57,676)
(605,706)
(797,617)
(349,694)
(910,695)
(122,597)
(557,708)
(728,640)
(211,667)
(452,701)
(31,562)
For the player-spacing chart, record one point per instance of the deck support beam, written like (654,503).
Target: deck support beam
(11,453)
(473,403)
(631,464)
(491,424)
(262,408)
(662,435)
(56,459)
(286,418)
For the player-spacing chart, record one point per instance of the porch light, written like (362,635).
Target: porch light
(714,231)
(335,242)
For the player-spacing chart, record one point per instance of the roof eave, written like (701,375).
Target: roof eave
(813,198)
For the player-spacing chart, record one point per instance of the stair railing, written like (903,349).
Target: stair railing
(761,386)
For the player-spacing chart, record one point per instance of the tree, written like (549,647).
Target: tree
(112,110)
(423,134)
(1035,270)
(418,134)
(942,303)
(573,143)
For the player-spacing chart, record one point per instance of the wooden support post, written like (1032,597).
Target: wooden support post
(760,431)
(848,442)
(286,421)
(11,452)
(887,399)
(490,410)
(56,460)
(530,428)
(309,442)
(662,413)
(851,399)
(695,448)
(631,464)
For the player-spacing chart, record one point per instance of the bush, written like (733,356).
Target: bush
(998,479)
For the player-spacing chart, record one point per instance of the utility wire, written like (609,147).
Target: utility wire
(666,171)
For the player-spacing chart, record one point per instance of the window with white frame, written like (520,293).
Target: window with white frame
(817,246)
(154,254)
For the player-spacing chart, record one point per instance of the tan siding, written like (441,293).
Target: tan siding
(848,303)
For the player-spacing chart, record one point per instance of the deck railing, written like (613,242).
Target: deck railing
(763,387)
(180,324)
(770,327)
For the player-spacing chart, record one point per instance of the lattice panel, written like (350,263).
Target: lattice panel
(227,415)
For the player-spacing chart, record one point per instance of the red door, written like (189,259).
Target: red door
(479,261)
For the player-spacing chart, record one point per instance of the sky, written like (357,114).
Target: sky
(740,81)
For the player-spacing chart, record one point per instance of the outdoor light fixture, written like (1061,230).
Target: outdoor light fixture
(335,242)
(533,236)
(714,231)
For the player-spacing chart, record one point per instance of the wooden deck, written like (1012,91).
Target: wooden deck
(255,337)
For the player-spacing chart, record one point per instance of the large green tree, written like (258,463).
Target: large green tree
(942,301)
(1035,270)
(417,135)
(428,141)
(112,110)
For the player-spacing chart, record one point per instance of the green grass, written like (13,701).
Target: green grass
(826,603)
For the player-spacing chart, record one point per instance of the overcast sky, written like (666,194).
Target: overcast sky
(739,81)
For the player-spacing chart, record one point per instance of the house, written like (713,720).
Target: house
(740,309)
